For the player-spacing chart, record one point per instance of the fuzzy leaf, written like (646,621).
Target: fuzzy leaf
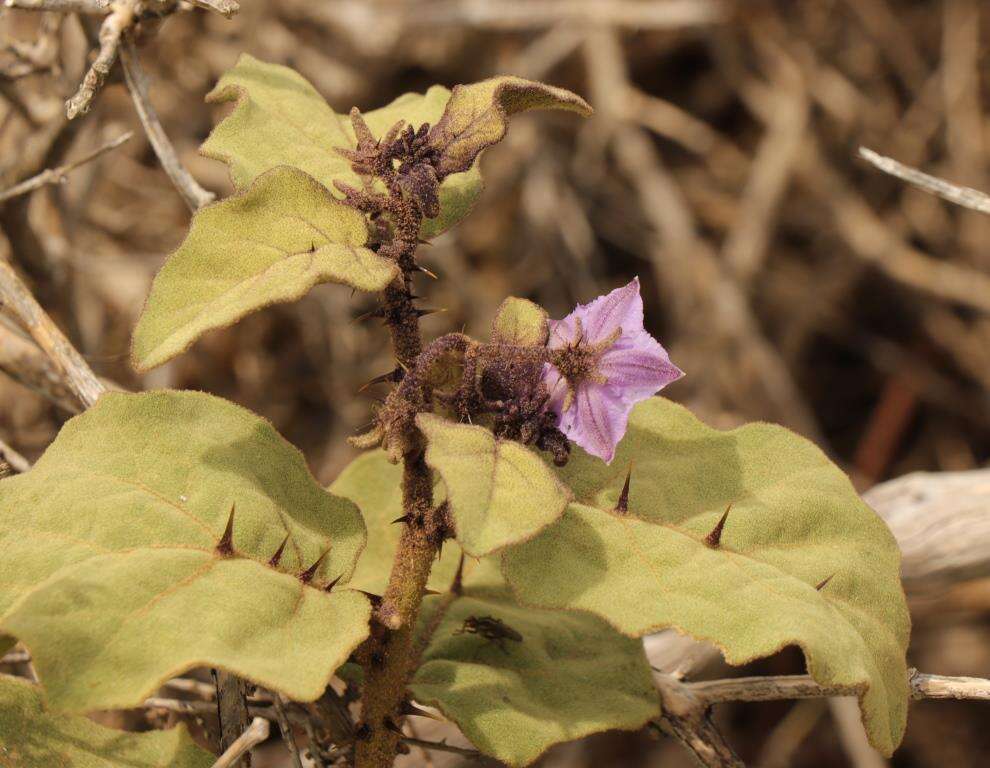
(375,485)
(111,572)
(795,521)
(477,116)
(34,738)
(269,244)
(500,492)
(280,119)
(571,675)
(520,322)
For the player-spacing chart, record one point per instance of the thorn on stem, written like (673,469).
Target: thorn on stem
(403,519)
(329,587)
(622,505)
(824,582)
(307,576)
(277,557)
(714,539)
(225,547)
(457,587)
(425,271)
(425,312)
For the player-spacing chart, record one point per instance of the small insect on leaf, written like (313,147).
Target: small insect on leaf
(492,629)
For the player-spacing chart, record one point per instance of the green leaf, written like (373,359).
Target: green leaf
(375,486)
(795,521)
(270,244)
(571,675)
(520,322)
(477,116)
(34,738)
(280,119)
(111,572)
(500,492)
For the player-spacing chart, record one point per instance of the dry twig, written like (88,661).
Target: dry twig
(964,196)
(194,195)
(255,733)
(78,375)
(58,175)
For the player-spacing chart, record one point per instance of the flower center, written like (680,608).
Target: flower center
(578,361)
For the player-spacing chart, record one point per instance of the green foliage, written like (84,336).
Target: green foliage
(795,521)
(500,492)
(111,572)
(33,738)
(270,244)
(572,674)
(520,322)
(375,485)
(477,116)
(280,119)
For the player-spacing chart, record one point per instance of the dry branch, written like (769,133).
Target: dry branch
(57,175)
(111,32)
(942,524)
(964,196)
(25,363)
(194,195)
(15,296)
(17,463)
(255,733)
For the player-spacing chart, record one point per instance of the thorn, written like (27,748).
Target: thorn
(307,576)
(277,557)
(374,313)
(425,271)
(392,376)
(429,591)
(821,585)
(425,312)
(329,587)
(714,538)
(622,505)
(403,519)
(457,587)
(391,725)
(225,547)
(376,600)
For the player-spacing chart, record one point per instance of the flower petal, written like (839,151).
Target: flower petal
(638,367)
(597,420)
(622,308)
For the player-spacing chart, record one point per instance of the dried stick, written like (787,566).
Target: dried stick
(78,375)
(286,728)
(440,746)
(111,32)
(964,196)
(25,363)
(255,733)
(61,6)
(16,462)
(224,7)
(232,711)
(194,195)
(57,175)
(516,15)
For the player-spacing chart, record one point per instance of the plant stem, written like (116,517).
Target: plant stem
(392,652)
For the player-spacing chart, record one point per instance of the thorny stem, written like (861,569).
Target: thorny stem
(389,656)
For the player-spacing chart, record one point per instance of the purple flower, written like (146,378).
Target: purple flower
(602,363)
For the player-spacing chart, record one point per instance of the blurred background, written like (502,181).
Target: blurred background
(793,282)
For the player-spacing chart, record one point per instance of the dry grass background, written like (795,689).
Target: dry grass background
(793,282)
